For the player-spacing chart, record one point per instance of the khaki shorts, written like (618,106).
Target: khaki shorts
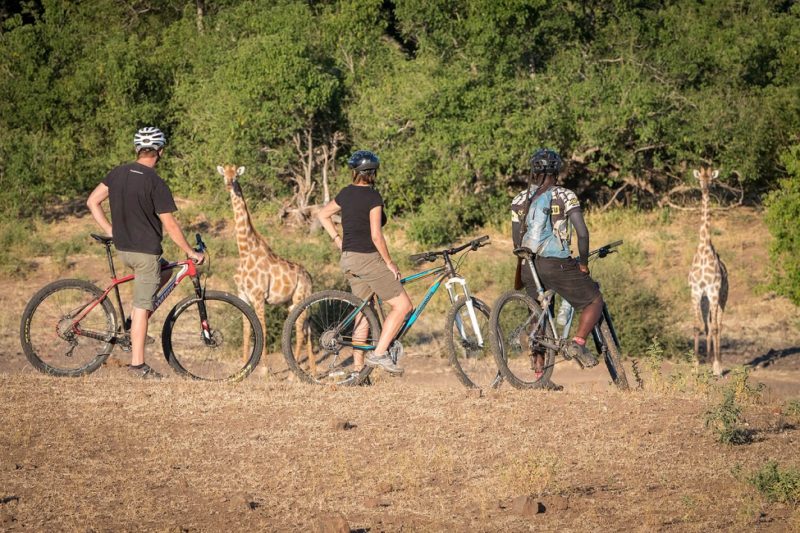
(147,268)
(368,273)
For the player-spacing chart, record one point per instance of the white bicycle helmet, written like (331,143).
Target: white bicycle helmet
(149,137)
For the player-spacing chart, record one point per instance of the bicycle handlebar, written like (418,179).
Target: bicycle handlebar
(605,250)
(431,256)
(201,246)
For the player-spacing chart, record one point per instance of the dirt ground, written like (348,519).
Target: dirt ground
(417,453)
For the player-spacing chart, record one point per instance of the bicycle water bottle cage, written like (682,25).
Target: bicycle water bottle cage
(545,297)
(523,253)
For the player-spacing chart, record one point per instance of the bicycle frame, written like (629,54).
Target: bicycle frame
(445,271)
(186,268)
(546,297)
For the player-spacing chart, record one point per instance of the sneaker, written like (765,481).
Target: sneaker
(144,371)
(581,354)
(384,361)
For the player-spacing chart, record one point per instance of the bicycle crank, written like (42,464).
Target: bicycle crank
(396,351)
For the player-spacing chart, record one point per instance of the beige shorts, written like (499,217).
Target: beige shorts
(147,268)
(368,273)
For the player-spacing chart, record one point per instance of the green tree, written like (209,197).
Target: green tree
(782,214)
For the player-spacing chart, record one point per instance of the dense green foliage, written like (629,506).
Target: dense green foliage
(783,214)
(453,94)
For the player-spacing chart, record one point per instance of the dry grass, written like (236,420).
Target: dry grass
(108,453)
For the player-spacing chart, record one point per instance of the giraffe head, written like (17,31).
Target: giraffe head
(231,173)
(704,176)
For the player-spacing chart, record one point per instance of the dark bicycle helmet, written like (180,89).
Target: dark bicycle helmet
(364,160)
(546,161)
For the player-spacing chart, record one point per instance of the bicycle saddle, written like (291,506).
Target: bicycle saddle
(102,238)
(523,252)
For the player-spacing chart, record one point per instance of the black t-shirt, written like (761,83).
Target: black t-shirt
(356,203)
(137,196)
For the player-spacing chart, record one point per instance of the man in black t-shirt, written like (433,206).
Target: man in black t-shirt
(141,207)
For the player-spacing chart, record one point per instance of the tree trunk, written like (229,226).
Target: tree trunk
(201,9)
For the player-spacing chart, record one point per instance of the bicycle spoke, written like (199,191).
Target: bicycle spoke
(54,342)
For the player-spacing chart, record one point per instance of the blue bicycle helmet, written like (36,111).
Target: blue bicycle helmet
(364,160)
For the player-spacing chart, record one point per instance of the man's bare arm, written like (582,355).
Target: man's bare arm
(175,232)
(94,203)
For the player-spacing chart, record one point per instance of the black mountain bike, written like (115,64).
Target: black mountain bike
(522,327)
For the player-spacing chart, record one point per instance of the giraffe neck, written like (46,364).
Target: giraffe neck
(705,234)
(247,238)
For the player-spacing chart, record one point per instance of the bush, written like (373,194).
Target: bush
(783,212)
(726,420)
(777,485)
(435,224)
(638,312)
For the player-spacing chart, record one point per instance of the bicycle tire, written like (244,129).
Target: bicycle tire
(512,314)
(317,316)
(468,358)
(612,357)
(42,339)
(222,357)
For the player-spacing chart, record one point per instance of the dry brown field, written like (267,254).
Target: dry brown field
(417,453)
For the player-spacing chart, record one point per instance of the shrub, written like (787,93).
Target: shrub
(639,314)
(783,212)
(777,485)
(726,420)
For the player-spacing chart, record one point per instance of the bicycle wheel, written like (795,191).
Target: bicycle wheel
(310,333)
(510,323)
(219,353)
(469,351)
(612,357)
(49,339)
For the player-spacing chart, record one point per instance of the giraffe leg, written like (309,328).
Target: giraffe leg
(698,323)
(263,321)
(716,325)
(302,330)
(245,332)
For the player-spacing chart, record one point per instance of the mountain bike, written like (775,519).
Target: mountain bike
(70,327)
(522,327)
(329,319)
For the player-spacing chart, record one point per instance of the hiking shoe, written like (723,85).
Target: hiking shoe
(581,354)
(144,371)
(384,361)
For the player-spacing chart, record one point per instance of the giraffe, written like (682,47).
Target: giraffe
(262,276)
(708,280)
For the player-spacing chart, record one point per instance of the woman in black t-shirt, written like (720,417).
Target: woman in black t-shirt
(365,257)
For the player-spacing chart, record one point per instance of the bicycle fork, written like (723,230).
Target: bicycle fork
(470,308)
(208,338)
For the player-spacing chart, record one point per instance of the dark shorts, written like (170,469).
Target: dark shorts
(564,277)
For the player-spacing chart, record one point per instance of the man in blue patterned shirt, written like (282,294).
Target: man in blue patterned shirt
(543,218)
